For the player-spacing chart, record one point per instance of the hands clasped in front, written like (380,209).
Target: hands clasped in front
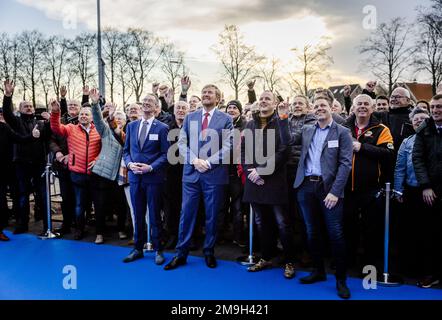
(140,168)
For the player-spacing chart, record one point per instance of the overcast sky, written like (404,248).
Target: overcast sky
(273,27)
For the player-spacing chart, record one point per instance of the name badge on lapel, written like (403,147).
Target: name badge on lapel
(333,144)
(153,137)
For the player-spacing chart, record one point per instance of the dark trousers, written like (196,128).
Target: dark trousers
(68,196)
(29,179)
(4,213)
(311,197)
(265,215)
(364,218)
(120,205)
(147,195)
(173,190)
(232,209)
(213,196)
(432,244)
(90,187)
(295,215)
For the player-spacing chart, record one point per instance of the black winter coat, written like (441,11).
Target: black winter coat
(427,156)
(30,153)
(274,191)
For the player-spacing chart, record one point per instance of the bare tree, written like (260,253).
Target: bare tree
(270,72)
(428,50)
(237,58)
(31,45)
(141,53)
(387,52)
(312,63)
(55,55)
(9,57)
(112,53)
(83,48)
(173,65)
(123,79)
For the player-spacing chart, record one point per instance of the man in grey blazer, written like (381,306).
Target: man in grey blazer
(323,170)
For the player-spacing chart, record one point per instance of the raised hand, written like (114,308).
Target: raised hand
(36,132)
(163,90)
(284,107)
(63,92)
(112,107)
(8,86)
(155,87)
(347,91)
(251,84)
(86,90)
(94,95)
(45,115)
(370,86)
(169,96)
(185,84)
(55,106)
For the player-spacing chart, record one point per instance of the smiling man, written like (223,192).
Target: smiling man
(372,151)
(145,154)
(427,161)
(205,174)
(323,170)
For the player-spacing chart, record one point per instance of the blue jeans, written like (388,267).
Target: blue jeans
(88,187)
(311,197)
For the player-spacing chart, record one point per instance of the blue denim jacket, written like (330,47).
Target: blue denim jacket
(404,171)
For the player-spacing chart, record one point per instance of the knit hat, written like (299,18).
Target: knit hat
(236,103)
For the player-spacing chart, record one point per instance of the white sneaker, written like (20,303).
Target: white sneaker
(122,235)
(99,239)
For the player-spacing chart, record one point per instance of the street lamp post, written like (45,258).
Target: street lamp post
(100,59)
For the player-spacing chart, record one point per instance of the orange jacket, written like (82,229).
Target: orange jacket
(83,147)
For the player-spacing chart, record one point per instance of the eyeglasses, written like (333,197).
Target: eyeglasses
(397,97)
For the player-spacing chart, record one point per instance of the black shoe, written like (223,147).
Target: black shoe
(210,261)
(313,277)
(63,230)
(343,290)
(78,235)
(20,230)
(428,282)
(175,263)
(134,255)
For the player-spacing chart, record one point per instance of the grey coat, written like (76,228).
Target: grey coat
(336,162)
(108,161)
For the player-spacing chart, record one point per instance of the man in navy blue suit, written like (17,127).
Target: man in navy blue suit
(145,154)
(205,143)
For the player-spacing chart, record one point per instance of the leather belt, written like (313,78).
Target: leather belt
(314,178)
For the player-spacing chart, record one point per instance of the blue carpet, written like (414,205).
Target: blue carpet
(33,269)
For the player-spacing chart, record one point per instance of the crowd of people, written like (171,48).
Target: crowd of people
(329,163)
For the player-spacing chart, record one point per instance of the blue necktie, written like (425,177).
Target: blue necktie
(142,137)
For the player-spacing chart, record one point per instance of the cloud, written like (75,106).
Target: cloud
(273,26)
